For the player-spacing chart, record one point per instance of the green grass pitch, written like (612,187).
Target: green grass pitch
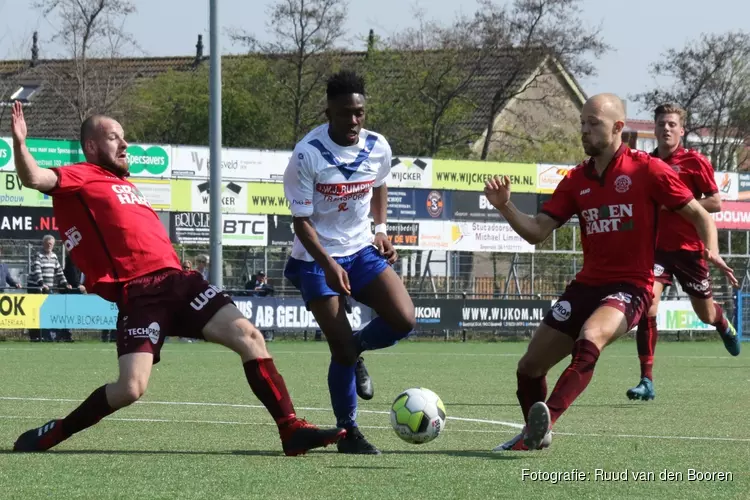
(199,432)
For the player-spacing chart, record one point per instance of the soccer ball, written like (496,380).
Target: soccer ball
(418,415)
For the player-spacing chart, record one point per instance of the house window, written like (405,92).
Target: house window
(24,93)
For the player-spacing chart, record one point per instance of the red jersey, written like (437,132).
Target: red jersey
(112,233)
(696,172)
(618,214)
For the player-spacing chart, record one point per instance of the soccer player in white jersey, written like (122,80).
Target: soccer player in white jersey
(335,179)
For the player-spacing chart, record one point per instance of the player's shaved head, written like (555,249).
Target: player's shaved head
(607,106)
(89,126)
(602,121)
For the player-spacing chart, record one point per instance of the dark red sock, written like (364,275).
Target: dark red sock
(645,338)
(721,323)
(91,411)
(574,379)
(530,390)
(269,388)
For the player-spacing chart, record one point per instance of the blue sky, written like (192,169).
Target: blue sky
(638,30)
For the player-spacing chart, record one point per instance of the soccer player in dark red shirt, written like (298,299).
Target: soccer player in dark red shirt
(617,195)
(116,239)
(679,249)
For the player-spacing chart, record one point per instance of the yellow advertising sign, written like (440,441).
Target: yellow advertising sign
(471,175)
(267,198)
(19,311)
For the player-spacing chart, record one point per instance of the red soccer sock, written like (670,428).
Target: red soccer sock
(530,390)
(269,387)
(721,323)
(574,379)
(645,338)
(91,411)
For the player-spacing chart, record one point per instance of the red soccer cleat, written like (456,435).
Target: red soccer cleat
(298,437)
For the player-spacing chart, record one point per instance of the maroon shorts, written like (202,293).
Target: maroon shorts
(163,304)
(579,301)
(690,269)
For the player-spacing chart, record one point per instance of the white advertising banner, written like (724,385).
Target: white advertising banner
(471,237)
(676,315)
(236,164)
(728,184)
(407,172)
(549,176)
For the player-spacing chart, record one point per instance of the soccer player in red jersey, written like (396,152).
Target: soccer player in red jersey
(118,242)
(616,194)
(679,249)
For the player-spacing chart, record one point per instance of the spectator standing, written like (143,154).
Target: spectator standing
(5,277)
(46,274)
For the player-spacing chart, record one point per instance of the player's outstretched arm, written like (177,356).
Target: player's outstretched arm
(706,229)
(533,229)
(31,175)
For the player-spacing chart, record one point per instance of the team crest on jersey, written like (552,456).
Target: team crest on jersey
(622,184)
(676,168)
(434,204)
(658,270)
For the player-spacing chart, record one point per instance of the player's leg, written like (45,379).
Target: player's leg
(376,284)
(548,346)
(695,278)
(329,310)
(645,339)
(618,309)
(135,371)
(330,313)
(230,328)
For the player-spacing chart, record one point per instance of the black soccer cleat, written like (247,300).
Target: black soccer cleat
(42,438)
(355,443)
(364,382)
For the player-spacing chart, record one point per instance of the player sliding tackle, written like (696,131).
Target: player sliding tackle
(679,250)
(118,242)
(616,195)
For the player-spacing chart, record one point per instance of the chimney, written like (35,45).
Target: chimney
(198,51)
(370,43)
(35,49)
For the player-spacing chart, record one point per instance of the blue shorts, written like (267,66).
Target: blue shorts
(309,278)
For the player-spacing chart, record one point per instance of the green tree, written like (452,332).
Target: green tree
(710,78)
(173,108)
(304,35)
(545,149)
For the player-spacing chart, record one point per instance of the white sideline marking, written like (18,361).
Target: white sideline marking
(231,405)
(372,353)
(475,420)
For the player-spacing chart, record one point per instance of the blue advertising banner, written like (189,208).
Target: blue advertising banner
(291,314)
(410,204)
(91,312)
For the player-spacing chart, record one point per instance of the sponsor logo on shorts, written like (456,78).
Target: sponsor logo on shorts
(625,298)
(658,270)
(152,331)
(622,184)
(202,299)
(561,310)
(699,286)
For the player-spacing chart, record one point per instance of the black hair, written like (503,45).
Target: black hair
(345,83)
